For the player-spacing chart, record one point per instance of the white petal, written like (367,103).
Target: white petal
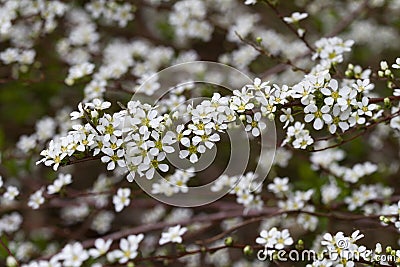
(309,117)
(201,149)
(193,158)
(183,154)
(255,132)
(163,167)
(318,124)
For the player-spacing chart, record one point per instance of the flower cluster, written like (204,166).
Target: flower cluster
(245,188)
(331,160)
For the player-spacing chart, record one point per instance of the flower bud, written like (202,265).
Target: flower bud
(384,65)
(11,262)
(387,103)
(350,66)
(300,245)
(229,241)
(247,250)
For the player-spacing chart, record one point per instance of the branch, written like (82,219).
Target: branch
(9,251)
(302,38)
(266,53)
(349,19)
(364,130)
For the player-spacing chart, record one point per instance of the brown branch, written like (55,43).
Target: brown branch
(288,25)
(9,251)
(269,55)
(382,99)
(349,19)
(363,131)
(338,29)
(191,252)
(70,162)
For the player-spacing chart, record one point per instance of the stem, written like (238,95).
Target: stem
(302,38)
(9,251)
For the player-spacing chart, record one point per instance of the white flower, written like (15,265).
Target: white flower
(55,187)
(283,239)
(192,150)
(307,221)
(36,199)
(148,84)
(303,140)
(286,117)
(280,185)
(304,90)
(356,119)
(63,179)
(159,145)
(11,193)
(339,119)
(329,192)
(301,136)
(356,236)
(78,71)
(10,55)
(267,238)
(174,235)
(128,248)
(99,104)
(347,98)
(244,197)
(207,138)
(255,125)
(318,115)
(296,129)
(240,101)
(202,113)
(332,92)
(121,199)
(250,2)
(258,84)
(73,255)
(165,187)
(295,17)
(365,108)
(26,143)
(397,64)
(151,163)
(275,238)
(363,86)
(101,247)
(113,157)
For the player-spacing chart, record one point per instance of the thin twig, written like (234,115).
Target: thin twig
(86,114)
(363,131)
(348,19)
(9,251)
(302,38)
(269,55)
